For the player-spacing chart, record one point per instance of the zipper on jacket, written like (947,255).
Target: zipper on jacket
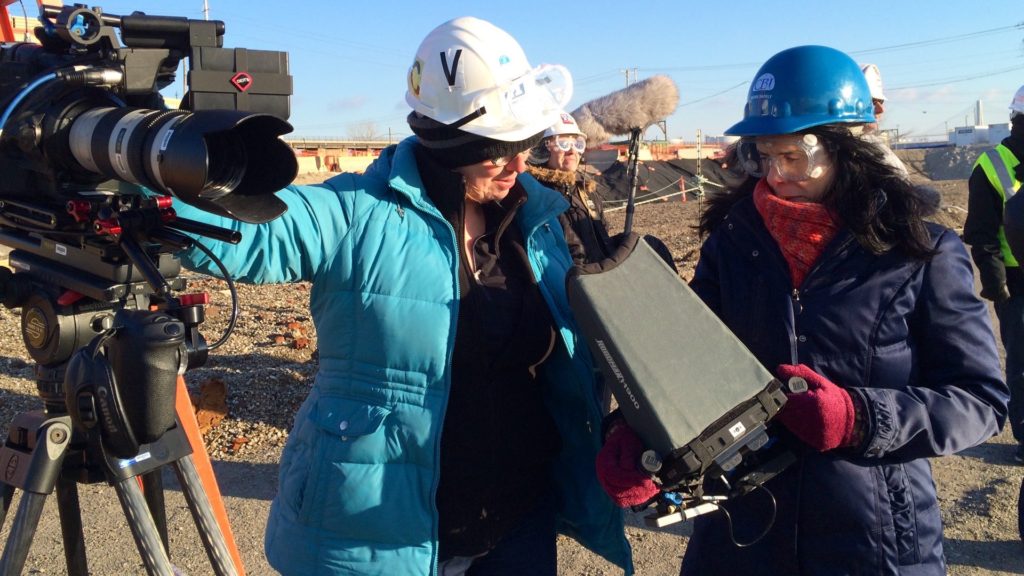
(795,307)
(398,203)
(432,212)
(560,319)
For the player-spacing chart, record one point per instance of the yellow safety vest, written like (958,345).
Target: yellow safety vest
(999,164)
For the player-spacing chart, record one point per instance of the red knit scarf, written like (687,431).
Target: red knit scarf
(801,229)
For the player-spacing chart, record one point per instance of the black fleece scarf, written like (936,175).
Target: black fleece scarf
(498,439)
(1015,142)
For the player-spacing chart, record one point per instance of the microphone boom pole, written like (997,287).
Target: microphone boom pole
(628,111)
(632,172)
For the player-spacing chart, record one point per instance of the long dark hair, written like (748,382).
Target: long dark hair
(879,206)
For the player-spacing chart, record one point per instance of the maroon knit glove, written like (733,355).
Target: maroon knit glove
(822,417)
(618,468)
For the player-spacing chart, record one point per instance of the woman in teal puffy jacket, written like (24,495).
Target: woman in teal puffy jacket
(454,421)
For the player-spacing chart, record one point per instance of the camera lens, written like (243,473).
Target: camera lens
(202,157)
(226,166)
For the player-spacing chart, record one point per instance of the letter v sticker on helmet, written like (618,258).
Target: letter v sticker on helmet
(449,73)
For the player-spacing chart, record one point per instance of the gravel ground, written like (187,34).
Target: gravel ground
(266,370)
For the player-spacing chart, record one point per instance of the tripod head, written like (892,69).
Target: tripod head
(110,339)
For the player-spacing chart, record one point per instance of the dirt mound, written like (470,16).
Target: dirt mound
(947,163)
(661,177)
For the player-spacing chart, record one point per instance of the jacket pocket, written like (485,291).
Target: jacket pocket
(904,516)
(345,493)
(348,420)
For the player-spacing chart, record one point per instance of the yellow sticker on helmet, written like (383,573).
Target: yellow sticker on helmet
(415,77)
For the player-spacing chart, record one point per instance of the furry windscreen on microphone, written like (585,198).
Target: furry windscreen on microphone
(636,106)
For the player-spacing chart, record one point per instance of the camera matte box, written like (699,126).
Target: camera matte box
(688,387)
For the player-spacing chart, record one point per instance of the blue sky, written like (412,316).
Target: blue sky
(349,59)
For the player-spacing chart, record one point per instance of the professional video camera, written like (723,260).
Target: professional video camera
(90,158)
(82,116)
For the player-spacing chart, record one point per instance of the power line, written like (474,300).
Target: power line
(730,89)
(881,49)
(892,47)
(941,40)
(961,78)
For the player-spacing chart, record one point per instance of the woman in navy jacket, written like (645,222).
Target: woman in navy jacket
(824,267)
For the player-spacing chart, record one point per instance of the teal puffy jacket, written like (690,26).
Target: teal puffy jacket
(360,469)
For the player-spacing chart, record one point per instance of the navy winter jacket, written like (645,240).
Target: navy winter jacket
(911,340)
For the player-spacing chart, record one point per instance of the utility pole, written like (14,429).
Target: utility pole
(626,71)
(700,175)
(700,161)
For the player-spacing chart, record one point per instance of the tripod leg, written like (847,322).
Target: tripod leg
(71,527)
(153,490)
(26,519)
(35,469)
(199,505)
(187,417)
(6,496)
(147,539)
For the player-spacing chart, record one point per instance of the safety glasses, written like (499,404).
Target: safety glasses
(505,160)
(578,143)
(794,159)
(540,93)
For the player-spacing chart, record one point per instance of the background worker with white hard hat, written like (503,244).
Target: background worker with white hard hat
(874,78)
(454,421)
(555,162)
(998,251)
(872,133)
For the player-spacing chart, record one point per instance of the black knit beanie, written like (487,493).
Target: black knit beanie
(1017,126)
(453,148)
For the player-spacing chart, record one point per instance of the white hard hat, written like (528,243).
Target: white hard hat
(1017,104)
(566,124)
(471,75)
(874,78)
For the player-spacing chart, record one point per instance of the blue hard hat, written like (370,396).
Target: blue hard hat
(803,87)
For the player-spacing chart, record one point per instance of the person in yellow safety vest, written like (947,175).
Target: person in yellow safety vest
(1013,225)
(997,176)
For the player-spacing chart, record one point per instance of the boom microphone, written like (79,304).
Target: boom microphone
(636,106)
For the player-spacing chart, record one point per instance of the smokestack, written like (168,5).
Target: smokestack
(979,114)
